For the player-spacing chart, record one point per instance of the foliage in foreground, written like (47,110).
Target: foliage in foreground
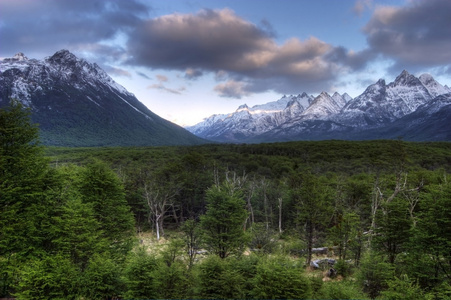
(67,230)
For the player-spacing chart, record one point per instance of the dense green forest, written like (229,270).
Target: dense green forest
(302,220)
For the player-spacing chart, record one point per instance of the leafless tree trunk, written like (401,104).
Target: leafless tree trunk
(264,186)
(280,214)
(401,186)
(250,194)
(158,202)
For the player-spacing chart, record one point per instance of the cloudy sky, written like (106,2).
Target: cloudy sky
(189,59)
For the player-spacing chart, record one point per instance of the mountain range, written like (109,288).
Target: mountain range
(76,103)
(411,108)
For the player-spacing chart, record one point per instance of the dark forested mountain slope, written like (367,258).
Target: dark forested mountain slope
(76,103)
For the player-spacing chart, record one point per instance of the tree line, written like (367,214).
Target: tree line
(70,217)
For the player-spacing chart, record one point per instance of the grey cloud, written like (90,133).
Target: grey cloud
(232,89)
(162,78)
(355,60)
(143,75)
(162,87)
(55,24)
(221,75)
(213,40)
(193,74)
(268,28)
(117,71)
(210,40)
(361,5)
(414,36)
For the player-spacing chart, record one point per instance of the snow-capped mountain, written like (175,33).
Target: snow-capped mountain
(248,122)
(76,103)
(324,106)
(336,116)
(380,103)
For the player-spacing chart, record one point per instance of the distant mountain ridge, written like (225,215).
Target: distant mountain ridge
(412,108)
(76,103)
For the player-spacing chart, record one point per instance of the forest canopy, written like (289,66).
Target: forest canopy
(329,219)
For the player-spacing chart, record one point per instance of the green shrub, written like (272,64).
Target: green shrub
(280,278)
(343,268)
(316,282)
(52,277)
(403,288)
(140,275)
(217,279)
(374,274)
(262,239)
(341,290)
(101,279)
(172,281)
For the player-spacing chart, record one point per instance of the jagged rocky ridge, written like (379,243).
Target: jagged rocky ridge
(76,103)
(411,108)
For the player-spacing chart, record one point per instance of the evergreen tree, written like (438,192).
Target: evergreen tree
(280,278)
(140,276)
(394,228)
(76,232)
(23,171)
(100,187)
(224,220)
(192,239)
(218,280)
(26,204)
(101,279)
(403,288)
(431,241)
(374,274)
(52,277)
(313,203)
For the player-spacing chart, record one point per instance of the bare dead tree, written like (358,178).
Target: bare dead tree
(379,199)
(250,193)
(280,214)
(159,201)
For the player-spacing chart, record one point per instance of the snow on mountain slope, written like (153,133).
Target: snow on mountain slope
(379,105)
(410,90)
(434,88)
(246,122)
(324,106)
(382,103)
(76,103)
(62,66)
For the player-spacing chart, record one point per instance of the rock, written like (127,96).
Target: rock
(331,273)
(317,263)
(322,250)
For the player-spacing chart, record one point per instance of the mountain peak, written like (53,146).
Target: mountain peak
(434,88)
(17,57)
(64,52)
(426,78)
(337,116)
(293,101)
(63,56)
(404,78)
(404,73)
(381,82)
(77,104)
(20,56)
(242,107)
(346,97)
